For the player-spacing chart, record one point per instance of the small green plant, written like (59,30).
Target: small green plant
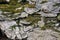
(43,28)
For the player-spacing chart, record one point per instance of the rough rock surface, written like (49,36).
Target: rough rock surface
(15,27)
(48,34)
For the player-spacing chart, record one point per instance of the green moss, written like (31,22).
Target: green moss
(33,19)
(56,4)
(13,27)
(30,5)
(13,2)
(56,30)
(43,28)
(43,2)
(2,0)
(58,17)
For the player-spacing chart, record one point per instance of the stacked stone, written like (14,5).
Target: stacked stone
(14,25)
(19,25)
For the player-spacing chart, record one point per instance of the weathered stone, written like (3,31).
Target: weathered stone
(28,28)
(47,6)
(55,1)
(10,34)
(38,34)
(6,24)
(7,0)
(24,22)
(23,29)
(29,10)
(24,14)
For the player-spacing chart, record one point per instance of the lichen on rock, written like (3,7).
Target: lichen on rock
(21,19)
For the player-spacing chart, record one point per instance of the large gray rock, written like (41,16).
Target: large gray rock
(56,10)
(29,10)
(48,34)
(6,24)
(55,1)
(47,6)
(48,14)
(24,22)
(38,6)
(24,14)
(29,28)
